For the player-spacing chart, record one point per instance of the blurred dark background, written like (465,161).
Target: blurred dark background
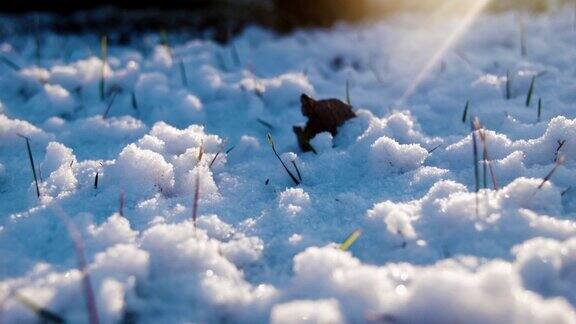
(223,17)
(219,18)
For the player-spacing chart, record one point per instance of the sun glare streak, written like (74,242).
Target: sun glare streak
(475,10)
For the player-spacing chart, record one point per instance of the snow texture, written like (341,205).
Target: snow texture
(186,215)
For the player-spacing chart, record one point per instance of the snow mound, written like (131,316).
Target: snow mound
(386,156)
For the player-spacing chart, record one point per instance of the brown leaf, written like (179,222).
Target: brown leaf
(323,116)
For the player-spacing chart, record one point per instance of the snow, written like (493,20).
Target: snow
(307,311)
(256,248)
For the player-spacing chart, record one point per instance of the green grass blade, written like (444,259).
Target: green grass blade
(466,108)
(350,240)
(530,92)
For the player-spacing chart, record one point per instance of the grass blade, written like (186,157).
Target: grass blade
(466,108)
(196,198)
(37,39)
(105,114)
(557,152)
(559,162)
(31,158)
(165,42)
(104,59)
(271,143)
(485,155)
(121,203)
(10,63)
(348,92)
(200,151)
(350,240)
(235,54)
(183,75)
(297,171)
(508,84)
(476,169)
(523,46)
(134,101)
(435,148)
(78,244)
(530,92)
(265,123)
(539,109)
(45,315)
(214,159)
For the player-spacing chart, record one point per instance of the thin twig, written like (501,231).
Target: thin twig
(485,155)
(559,162)
(560,146)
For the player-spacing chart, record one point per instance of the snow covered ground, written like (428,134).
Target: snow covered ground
(432,249)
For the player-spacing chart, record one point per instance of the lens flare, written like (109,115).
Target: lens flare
(475,9)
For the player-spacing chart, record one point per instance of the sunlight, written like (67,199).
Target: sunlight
(473,10)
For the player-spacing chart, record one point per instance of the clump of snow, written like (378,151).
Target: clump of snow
(60,182)
(399,125)
(293,201)
(115,230)
(397,221)
(386,155)
(307,311)
(56,156)
(512,210)
(491,294)
(141,171)
(155,98)
(52,100)
(322,142)
(546,266)
(11,128)
(281,91)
